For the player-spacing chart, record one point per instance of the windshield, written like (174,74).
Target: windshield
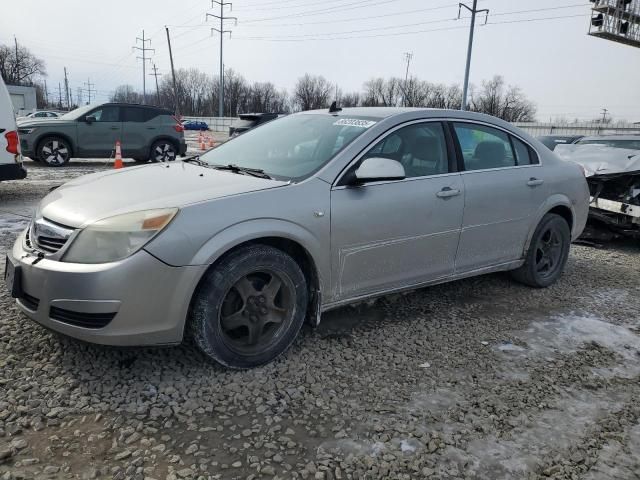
(77,113)
(291,147)
(629,144)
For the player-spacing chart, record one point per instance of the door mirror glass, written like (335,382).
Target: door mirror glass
(89,119)
(375,169)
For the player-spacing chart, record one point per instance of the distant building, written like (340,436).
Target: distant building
(23,99)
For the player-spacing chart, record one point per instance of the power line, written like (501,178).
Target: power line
(394,34)
(144,58)
(156,74)
(282,7)
(347,6)
(221,31)
(89,90)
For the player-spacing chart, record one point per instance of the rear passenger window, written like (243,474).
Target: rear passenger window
(133,114)
(523,153)
(484,147)
(421,148)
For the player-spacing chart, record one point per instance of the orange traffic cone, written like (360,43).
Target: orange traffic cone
(203,146)
(118,160)
(211,143)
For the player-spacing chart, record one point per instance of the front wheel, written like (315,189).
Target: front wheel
(163,151)
(547,254)
(54,151)
(249,308)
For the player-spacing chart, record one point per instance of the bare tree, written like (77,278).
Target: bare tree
(311,92)
(126,94)
(351,99)
(506,102)
(21,67)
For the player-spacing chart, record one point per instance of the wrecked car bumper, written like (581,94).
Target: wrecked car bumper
(627,209)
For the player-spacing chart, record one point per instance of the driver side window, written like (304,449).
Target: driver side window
(421,148)
(106,114)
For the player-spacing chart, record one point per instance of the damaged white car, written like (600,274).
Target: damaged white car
(612,168)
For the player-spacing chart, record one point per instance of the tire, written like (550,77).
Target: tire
(547,254)
(163,151)
(54,151)
(249,308)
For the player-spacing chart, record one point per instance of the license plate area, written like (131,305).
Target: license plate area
(13,278)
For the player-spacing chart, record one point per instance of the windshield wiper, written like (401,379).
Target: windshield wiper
(196,159)
(255,172)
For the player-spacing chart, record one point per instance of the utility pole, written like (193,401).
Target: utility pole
(16,66)
(221,31)
(604,115)
(155,74)
(407,58)
(46,93)
(473,11)
(66,89)
(79,95)
(89,90)
(59,95)
(144,58)
(173,74)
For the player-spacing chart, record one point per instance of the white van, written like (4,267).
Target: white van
(10,157)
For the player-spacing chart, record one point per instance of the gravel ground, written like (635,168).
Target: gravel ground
(483,378)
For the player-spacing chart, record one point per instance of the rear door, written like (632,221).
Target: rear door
(504,188)
(393,234)
(98,138)
(139,126)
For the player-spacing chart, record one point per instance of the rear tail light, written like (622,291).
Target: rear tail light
(12,142)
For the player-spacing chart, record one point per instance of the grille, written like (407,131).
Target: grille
(81,319)
(47,236)
(30,302)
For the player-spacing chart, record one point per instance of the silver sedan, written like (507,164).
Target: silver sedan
(238,247)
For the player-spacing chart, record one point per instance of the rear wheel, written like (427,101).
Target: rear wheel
(547,254)
(250,307)
(163,151)
(54,151)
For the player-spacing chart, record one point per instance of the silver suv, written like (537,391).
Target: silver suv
(145,133)
(298,216)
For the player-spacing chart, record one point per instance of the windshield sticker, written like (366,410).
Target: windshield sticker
(355,122)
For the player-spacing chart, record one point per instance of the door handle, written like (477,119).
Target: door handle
(151,128)
(447,192)
(534,182)
(115,128)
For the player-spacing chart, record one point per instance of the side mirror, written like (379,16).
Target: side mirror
(376,169)
(89,119)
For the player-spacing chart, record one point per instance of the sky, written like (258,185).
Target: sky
(540,45)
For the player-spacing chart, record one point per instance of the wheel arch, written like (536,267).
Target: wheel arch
(64,136)
(558,204)
(287,239)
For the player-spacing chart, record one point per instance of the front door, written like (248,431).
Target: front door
(98,137)
(392,234)
(504,189)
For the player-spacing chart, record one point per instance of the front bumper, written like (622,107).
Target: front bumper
(12,171)
(142,300)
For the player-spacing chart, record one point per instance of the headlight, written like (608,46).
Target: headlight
(117,237)
(25,131)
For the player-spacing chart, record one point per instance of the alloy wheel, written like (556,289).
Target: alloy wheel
(548,252)
(256,310)
(55,152)
(164,152)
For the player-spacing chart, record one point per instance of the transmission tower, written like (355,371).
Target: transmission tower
(221,31)
(144,49)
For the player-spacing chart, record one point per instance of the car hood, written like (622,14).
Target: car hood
(105,194)
(601,159)
(44,122)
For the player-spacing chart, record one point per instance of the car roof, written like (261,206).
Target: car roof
(387,112)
